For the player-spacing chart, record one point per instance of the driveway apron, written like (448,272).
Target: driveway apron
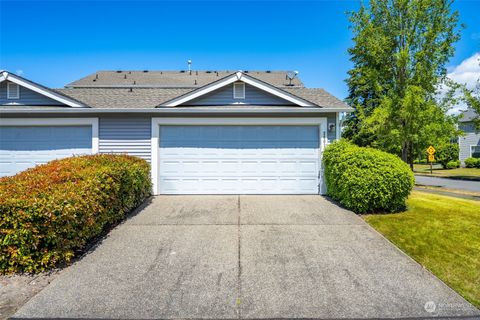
(245,257)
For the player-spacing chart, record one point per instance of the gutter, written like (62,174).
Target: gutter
(175,110)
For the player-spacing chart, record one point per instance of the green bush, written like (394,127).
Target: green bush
(446,153)
(49,212)
(366,180)
(422,161)
(453,164)
(472,162)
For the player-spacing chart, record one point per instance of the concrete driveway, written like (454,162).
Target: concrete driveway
(245,257)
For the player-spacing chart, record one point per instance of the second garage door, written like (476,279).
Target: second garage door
(23,147)
(239,159)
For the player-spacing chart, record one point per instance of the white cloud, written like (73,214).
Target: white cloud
(467,72)
(19,72)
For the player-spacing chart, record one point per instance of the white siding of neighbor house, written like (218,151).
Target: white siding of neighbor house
(27,97)
(125,135)
(469,139)
(224,96)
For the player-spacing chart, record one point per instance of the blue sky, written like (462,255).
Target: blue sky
(54,43)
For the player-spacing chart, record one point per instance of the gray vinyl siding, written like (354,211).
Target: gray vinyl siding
(27,97)
(125,136)
(469,139)
(224,96)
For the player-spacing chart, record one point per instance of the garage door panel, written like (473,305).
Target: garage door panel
(23,147)
(239,159)
(231,185)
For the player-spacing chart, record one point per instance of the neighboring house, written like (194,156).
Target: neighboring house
(469,144)
(204,132)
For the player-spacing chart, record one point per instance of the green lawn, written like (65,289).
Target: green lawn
(442,234)
(459,173)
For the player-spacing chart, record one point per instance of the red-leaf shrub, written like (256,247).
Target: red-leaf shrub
(50,211)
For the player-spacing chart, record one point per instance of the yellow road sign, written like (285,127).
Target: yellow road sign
(431,150)
(431,158)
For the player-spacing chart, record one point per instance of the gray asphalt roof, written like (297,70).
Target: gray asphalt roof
(151,98)
(468,115)
(173,79)
(123,97)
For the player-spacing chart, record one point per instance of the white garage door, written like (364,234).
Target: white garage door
(23,147)
(239,160)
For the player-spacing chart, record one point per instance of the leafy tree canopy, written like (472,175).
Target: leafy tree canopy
(399,55)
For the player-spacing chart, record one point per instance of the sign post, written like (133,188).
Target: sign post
(431,158)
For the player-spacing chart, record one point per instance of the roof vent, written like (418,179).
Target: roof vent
(125,76)
(119,71)
(268,71)
(145,71)
(182,71)
(246,71)
(195,81)
(208,71)
(96,76)
(134,82)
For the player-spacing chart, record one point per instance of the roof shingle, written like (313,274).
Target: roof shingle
(151,98)
(174,79)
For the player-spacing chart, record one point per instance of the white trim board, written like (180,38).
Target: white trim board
(157,122)
(56,122)
(235,77)
(40,89)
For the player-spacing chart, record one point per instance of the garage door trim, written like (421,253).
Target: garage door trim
(56,122)
(157,122)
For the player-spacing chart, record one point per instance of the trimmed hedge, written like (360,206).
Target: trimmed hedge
(447,153)
(453,164)
(472,162)
(366,180)
(49,212)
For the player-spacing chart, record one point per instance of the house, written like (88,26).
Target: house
(469,144)
(203,132)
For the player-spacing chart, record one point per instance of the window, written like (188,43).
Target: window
(239,90)
(13,91)
(475,151)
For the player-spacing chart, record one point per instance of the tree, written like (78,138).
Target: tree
(399,55)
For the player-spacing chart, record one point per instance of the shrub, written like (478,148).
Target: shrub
(447,153)
(472,162)
(423,161)
(365,179)
(49,212)
(453,164)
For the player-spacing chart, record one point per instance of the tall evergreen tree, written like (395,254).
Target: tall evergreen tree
(399,55)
